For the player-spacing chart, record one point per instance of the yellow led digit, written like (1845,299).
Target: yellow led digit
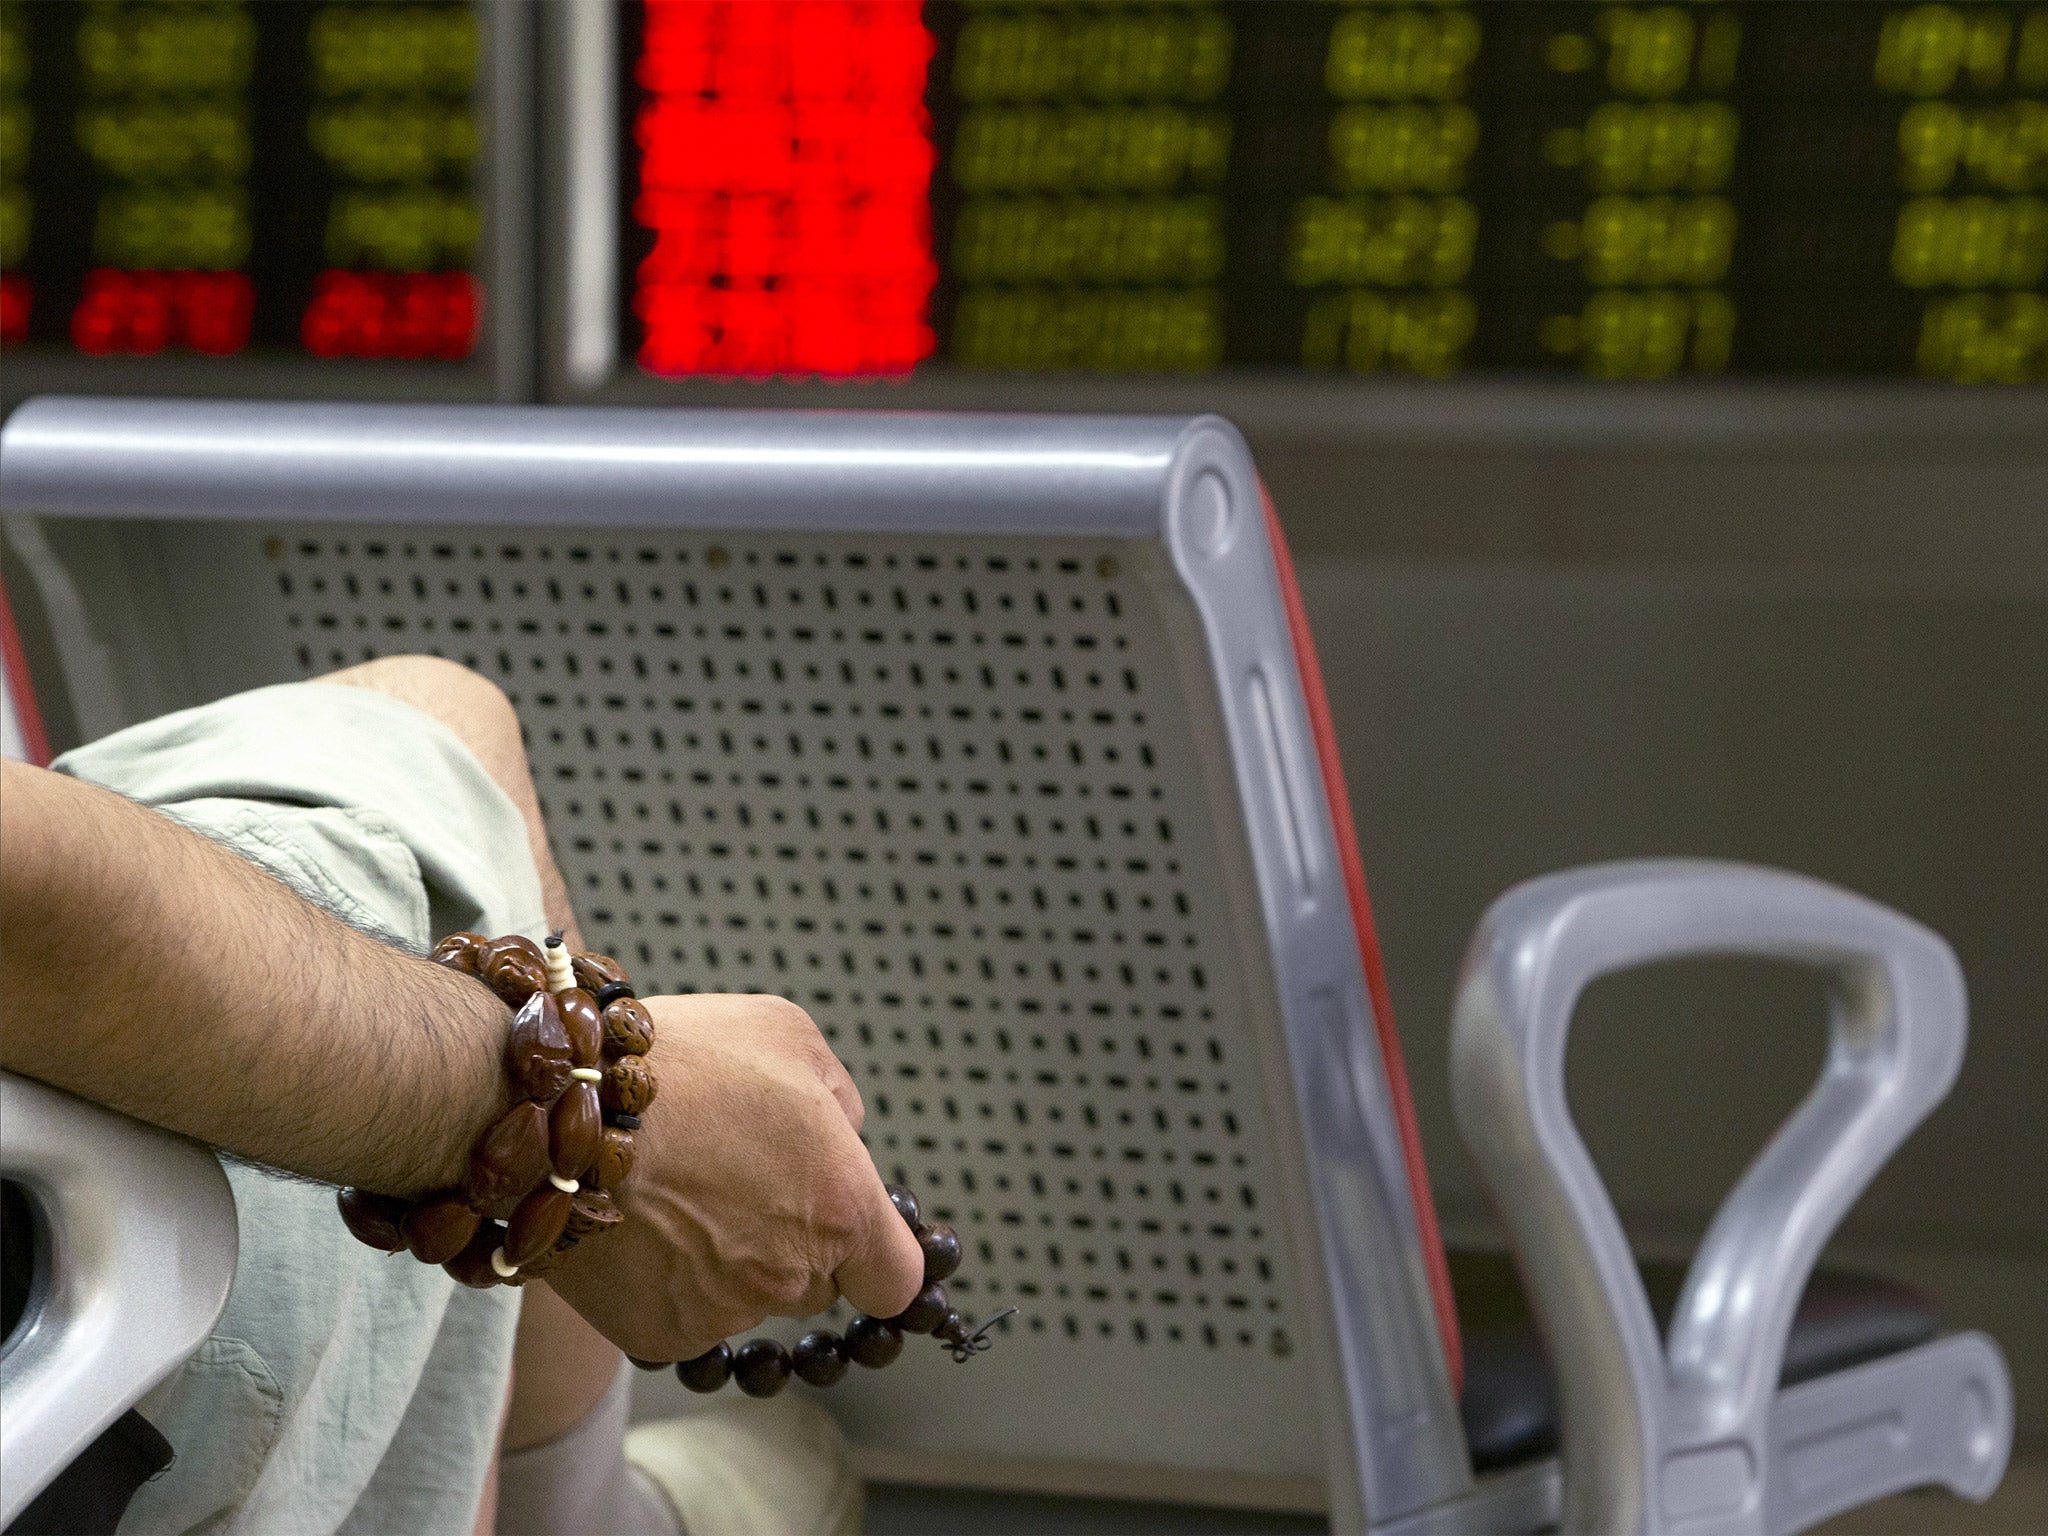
(1649,51)
(1392,55)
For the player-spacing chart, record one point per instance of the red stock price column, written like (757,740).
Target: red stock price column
(785,159)
(391,117)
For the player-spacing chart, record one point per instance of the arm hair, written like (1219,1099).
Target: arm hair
(146,968)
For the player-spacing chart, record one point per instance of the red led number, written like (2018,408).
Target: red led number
(15,298)
(145,312)
(785,156)
(392,314)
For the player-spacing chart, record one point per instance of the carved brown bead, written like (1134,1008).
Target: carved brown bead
(614,1158)
(628,1027)
(438,1229)
(546,1262)
(628,1085)
(872,1342)
(595,972)
(817,1358)
(472,1266)
(536,1224)
(592,1210)
(537,1053)
(516,944)
(941,1245)
(462,952)
(514,977)
(510,1158)
(575,1129)
(373,1219)
(585,1028)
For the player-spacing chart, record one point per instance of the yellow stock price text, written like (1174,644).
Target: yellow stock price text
(2002,148)
(1649,240)
(201,227)
(1979,338)
(1971,242)
(1112,56)
(1645,333)
(17,222)
(154,49)
(1391,241)
(166,140)
(1661,146)
(1383,55)
(1137,149)
(1931,50)
(1367,331)
(1116,330)
(395,141)
(1089,239)
(394,49)
(1404,147)
(414,230)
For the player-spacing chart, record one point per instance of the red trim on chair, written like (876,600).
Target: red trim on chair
(20,690)
(1369,950)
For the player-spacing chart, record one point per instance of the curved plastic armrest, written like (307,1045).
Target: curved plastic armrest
(136,1248)
(1690,1432)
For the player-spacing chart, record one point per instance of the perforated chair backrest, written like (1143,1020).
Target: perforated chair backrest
(986,740)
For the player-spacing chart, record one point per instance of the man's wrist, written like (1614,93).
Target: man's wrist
(472,1025)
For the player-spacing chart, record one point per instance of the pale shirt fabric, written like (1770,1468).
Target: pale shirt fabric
(344,1390)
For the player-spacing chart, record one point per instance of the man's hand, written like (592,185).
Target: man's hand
(751,1195)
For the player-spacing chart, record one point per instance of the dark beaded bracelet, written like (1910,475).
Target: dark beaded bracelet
(762,1367)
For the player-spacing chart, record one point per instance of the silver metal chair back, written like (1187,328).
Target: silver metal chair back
(981,737)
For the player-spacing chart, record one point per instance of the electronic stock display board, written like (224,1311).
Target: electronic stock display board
(1616,190)
(244,182)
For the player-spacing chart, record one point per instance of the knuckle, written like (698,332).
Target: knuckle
(785,1017)
(773,1286)
(790,1296)
(843,1210)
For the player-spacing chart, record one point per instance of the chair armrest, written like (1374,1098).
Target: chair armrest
(1941,1413)
(1659,1434)
(136,1247)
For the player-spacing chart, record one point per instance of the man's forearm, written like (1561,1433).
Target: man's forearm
(148,969)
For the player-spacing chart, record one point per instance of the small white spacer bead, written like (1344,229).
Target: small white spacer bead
(566,1186)
(586,1074)
(505,1268)
(561,974)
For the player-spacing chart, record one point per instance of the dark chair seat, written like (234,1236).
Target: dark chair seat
(1510,1401)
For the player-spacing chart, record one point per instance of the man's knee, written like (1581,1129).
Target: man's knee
(468,703)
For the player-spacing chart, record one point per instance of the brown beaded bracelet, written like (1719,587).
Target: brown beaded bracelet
(762,1367)
(576,1056)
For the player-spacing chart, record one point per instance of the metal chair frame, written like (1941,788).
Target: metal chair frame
(193,500)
